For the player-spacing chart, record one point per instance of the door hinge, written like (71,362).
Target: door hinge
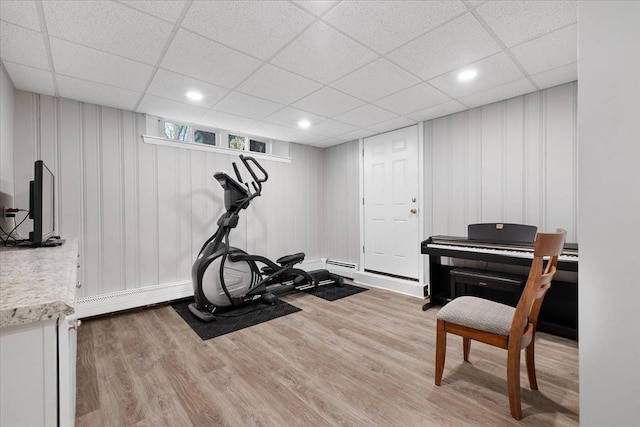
(363,201)
(362,248)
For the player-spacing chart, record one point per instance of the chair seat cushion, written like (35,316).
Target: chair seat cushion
(478,313)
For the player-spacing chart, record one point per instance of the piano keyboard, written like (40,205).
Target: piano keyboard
(503,252)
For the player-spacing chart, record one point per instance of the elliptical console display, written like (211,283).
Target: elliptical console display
(225,277)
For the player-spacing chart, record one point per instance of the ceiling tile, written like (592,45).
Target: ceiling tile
(548,52)
(385,25)
(518,21)
(329,142)
(509,90)
(270,130)
(323,54)
(167,84)
(317,7)
(22,46)
(375,80)
(304,137)
(96,93)
(246,106)
(412,99)
(328,102)
(436,111)
(226,121)
(170,109)
(30,79)
(356,134)
(393,124)
(108,26)
(448,47)
(557,76)
(258,28)
(332,128)
(366,116)
(193,55)
(277,85)
(89,64)
(291,116)
(493,71)
(169,10)
(21,13)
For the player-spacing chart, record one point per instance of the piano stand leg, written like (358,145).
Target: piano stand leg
(427,306)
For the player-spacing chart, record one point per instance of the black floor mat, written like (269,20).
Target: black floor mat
(332,293)
(233,320)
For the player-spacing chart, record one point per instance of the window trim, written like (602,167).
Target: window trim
(164,142)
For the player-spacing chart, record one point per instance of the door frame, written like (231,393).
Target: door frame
(421,204)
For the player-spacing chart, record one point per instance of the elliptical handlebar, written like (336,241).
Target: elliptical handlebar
(257,181)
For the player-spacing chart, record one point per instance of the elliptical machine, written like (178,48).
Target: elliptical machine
(225,277)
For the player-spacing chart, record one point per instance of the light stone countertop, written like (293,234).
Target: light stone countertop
(37,284)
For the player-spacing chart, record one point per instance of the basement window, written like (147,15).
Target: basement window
(204,137)
(237,142)
(177,131)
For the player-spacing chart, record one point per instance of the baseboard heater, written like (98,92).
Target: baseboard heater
(343,268)
(131,298)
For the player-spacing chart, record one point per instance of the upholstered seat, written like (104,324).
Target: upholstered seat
(480,314)
(500,325)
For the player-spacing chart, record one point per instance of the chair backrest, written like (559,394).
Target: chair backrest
(549,246)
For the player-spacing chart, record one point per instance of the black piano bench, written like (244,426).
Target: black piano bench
(511,283)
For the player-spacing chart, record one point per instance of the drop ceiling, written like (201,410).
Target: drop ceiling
(352,68)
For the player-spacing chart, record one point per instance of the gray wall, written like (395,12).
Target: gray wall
(141,212)
(6,147)
(609,193)
(342,202)
(511,161)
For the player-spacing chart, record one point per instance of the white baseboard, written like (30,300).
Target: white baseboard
(139,297)
(405,287)
(131,298)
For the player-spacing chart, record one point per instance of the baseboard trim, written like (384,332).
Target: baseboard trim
(401,286)
(112,302)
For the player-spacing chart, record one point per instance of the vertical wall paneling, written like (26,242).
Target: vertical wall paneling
(91,197)
(341,202)
(511,161)
(513,128)
(110,164)
(147,214)
(560,159)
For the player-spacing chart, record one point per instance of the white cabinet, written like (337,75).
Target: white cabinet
(38,336)
(28,375)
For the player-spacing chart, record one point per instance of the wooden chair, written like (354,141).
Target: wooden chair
(501,325)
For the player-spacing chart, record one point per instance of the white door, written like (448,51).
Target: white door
(391,200)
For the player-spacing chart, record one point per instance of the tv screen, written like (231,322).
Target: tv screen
(42,204)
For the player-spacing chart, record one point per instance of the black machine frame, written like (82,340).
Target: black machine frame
(238,196)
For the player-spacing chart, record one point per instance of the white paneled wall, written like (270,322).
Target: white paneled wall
(342,202)
(512,161)
(141,212)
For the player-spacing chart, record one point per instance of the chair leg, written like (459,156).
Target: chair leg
(531,366)
(513,382)
(441,349)
(466,347)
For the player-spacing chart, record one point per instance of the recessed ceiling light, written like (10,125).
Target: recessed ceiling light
(467,75)
(304,124)
(194,96)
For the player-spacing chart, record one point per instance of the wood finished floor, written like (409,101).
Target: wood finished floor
(365,360)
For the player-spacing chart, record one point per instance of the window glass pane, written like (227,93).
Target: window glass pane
(236,142)
(176,131)
(204,137)
(257,146)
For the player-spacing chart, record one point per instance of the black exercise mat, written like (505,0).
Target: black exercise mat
(233,320)
(332,292)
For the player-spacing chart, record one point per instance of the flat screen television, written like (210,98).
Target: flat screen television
(42,207)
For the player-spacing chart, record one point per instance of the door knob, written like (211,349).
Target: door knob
(414,210)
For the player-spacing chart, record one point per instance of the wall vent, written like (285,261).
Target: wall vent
(343,268)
